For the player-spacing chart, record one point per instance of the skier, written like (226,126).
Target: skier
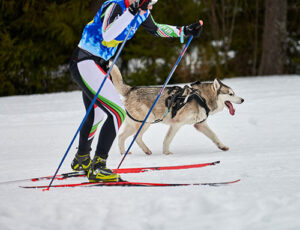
(89,65)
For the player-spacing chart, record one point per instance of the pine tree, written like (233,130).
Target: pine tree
(36,42)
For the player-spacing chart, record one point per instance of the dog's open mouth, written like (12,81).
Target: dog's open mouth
(230,107)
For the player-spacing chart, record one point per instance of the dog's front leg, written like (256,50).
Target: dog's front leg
(139,139)
(203,128)
(169,137)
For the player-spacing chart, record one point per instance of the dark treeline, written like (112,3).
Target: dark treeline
(240,38)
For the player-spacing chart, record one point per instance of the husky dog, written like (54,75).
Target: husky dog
(193,106)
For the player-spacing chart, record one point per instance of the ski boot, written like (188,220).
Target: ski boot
(99,173)
(81,162)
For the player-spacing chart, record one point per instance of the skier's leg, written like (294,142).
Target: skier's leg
(109,101)
(89,128)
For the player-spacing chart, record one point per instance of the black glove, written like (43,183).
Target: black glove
(193,29)
(139,4)
(134,7)
(144,4)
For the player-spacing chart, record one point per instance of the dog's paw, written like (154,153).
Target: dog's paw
(168,153)
(224,148)
(127,153)
(148,152)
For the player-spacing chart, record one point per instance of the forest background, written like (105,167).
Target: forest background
(239,38)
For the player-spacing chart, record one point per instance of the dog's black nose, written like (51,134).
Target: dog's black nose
(243,100)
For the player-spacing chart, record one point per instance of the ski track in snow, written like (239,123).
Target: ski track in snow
(264,144)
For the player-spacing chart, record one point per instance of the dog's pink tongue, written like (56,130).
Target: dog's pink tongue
(230,106)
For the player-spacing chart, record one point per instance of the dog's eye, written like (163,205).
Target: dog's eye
(231,94)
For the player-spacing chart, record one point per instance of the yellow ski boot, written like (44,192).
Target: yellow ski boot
(99,173)
(81,162)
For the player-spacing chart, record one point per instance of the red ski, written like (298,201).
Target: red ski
(130,184)
(159,168)
(120,171)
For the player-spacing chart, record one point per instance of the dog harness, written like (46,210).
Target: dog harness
(181,97)
(178,98)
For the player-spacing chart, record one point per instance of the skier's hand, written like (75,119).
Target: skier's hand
(193,29)
(137,5)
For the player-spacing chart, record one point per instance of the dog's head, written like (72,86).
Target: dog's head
(226,96)
(218,95)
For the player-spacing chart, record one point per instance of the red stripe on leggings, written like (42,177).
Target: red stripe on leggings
(92,134)
(112,110)
(107,106)
(99,67)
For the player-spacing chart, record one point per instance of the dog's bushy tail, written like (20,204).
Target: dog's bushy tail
(117,80)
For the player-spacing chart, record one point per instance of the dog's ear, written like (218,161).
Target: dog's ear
(217,84)
(195,83)
(219,81)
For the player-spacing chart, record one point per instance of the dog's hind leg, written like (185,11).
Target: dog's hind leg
(130,128)
(169,137)
(139,139)
(203,128)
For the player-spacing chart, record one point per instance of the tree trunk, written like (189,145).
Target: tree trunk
(274,38)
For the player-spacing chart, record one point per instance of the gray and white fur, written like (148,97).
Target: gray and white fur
(138,100)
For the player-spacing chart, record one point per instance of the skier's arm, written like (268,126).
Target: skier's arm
(162,30)
(114,21)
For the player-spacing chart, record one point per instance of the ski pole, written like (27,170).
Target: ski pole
(93,101)
(158,96)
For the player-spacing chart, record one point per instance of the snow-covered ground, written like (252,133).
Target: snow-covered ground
(264,153)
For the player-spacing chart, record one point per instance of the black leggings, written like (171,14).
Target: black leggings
(106,136)
(89,72)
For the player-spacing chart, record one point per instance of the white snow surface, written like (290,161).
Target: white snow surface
(263,137)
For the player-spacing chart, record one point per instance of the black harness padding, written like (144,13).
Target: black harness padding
(176,101)
(201,101)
